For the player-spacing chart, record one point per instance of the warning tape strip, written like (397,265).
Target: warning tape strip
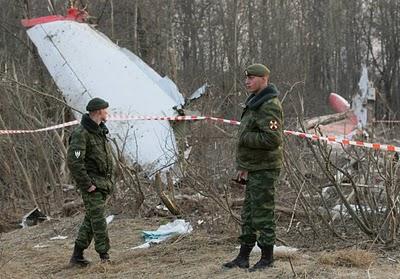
(328,139)
(173,118)
(10,132)
(344,141)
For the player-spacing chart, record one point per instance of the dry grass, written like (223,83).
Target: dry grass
(198,255)
(348,258)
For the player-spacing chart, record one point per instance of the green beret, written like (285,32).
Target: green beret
(258,70)
(96,104)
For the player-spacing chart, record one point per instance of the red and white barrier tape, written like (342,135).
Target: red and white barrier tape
(329,139)
(10,132)
(172,118)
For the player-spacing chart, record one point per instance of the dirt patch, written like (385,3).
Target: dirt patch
(6,226)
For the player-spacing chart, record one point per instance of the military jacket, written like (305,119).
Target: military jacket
(259,144)
(89,156)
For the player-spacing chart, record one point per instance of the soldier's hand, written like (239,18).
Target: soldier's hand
(241,177)
(241,174)
(91,188)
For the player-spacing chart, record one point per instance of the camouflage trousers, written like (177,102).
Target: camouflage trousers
(94,225)
(258,216)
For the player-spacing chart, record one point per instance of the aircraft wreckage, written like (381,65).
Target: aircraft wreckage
(84,64)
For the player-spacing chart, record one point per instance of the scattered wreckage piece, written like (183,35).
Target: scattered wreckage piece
(338,103)
(178,227)
(350,119)
(84,64)
(33,217)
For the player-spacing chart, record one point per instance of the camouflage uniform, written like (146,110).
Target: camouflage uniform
(259,151)
(90,162)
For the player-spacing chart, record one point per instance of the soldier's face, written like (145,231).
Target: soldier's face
(103,115)
(255,84)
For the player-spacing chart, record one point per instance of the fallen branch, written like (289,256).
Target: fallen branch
(168,202)
(324,120)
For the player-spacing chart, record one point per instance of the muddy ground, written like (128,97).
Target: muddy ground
(29,253)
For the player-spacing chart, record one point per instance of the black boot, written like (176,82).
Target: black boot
(104,257)
(242,260)
(77,257)
(267,258)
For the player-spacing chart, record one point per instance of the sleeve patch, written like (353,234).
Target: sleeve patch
(273,125)
(77,154)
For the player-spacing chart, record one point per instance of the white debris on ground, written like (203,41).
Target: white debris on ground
(67,187)
(40,246)
(59,237)
(109,219)
(161,207)
(177,227)
(187,151)
(142,246)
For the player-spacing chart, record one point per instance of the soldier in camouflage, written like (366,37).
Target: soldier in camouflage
(90,162)
(259,160)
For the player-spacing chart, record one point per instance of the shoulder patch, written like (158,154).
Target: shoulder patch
(273,125)
(77,154)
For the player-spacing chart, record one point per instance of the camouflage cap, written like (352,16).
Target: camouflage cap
(258,70)
(96,104)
